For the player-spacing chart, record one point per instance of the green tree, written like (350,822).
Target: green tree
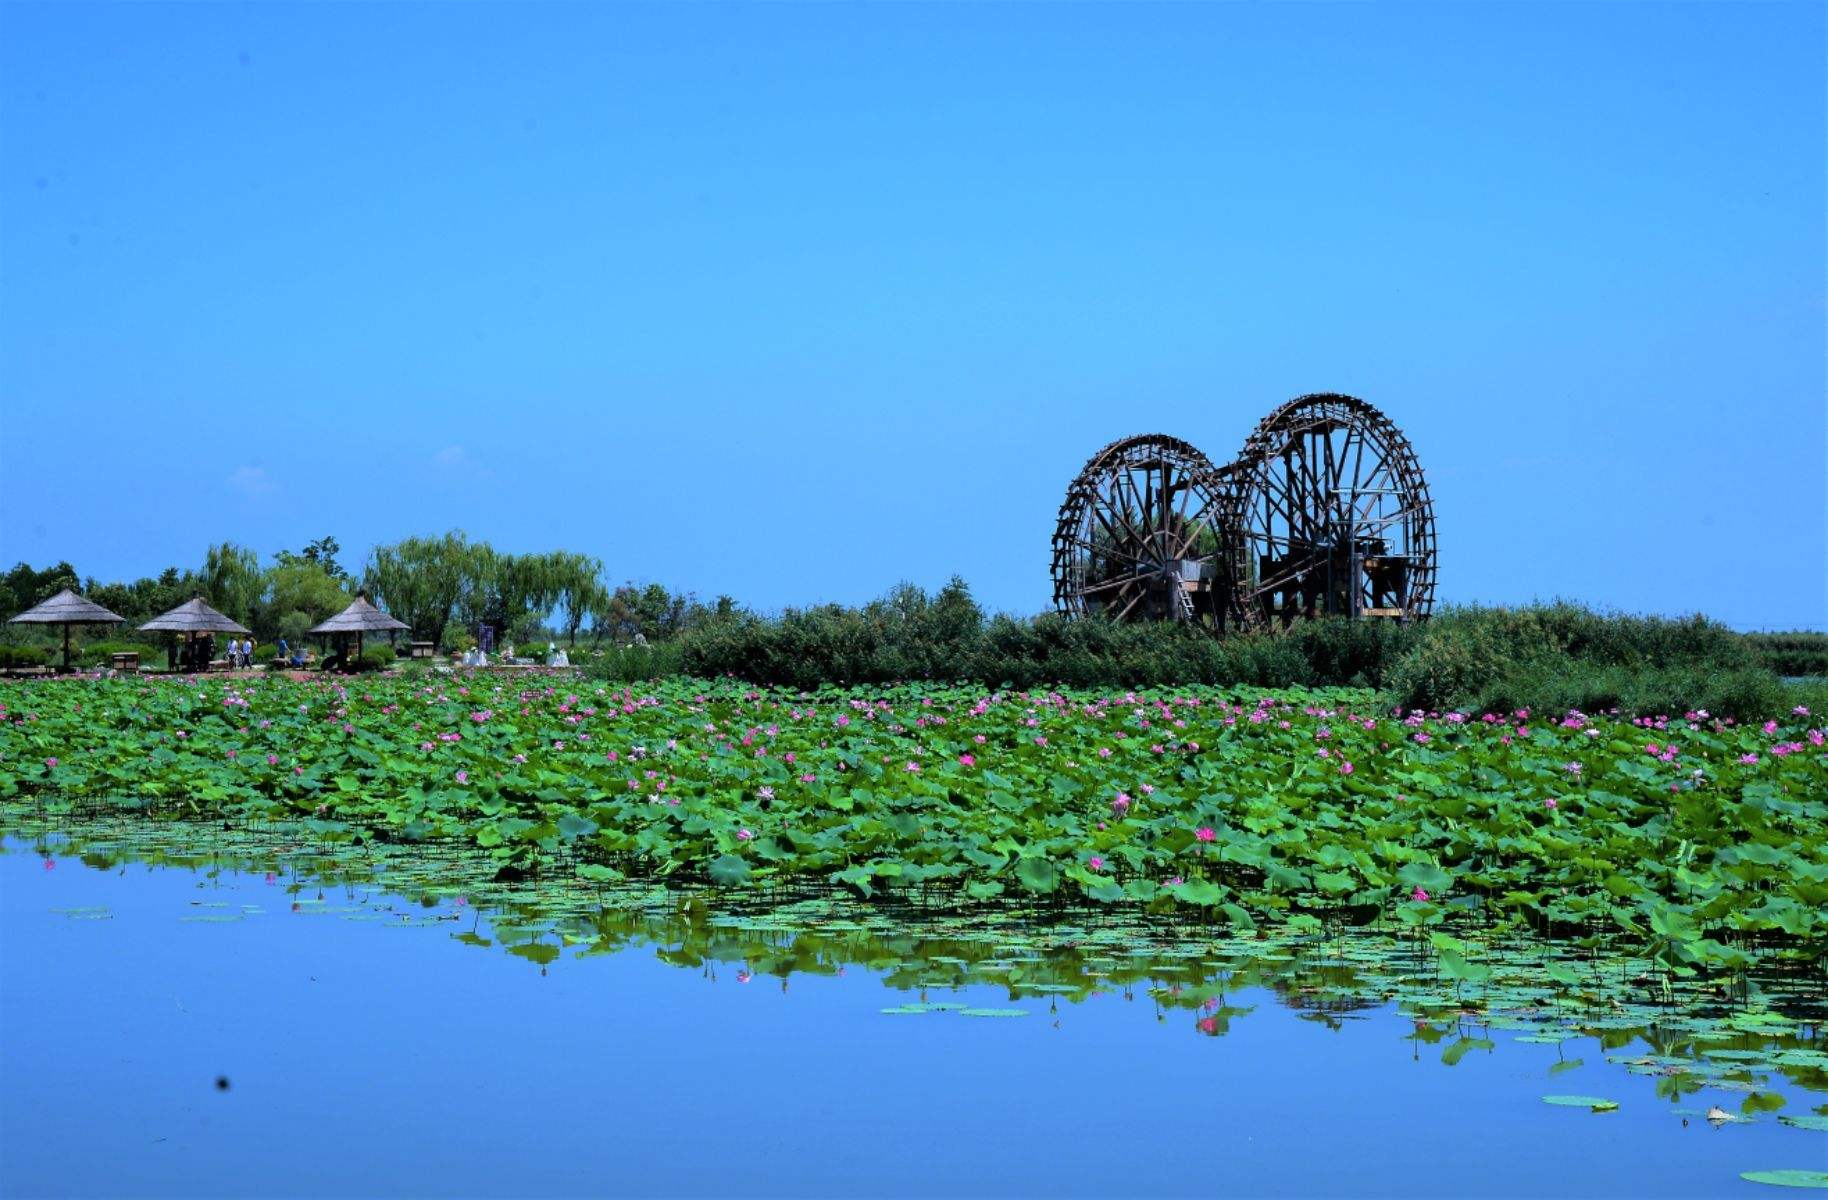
(233,581)
(527,585)
(956,617)
(24,587)
(299,587)
(578,588)
(321,553)
(421,579)
(651,611)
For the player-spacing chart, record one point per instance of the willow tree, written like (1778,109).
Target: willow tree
(578,588)
(529,584)
(479,586)
(499,588)
(233,580)
(420,580)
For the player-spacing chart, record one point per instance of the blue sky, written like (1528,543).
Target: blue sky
(797,301)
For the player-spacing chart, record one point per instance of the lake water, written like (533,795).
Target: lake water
(177,1032)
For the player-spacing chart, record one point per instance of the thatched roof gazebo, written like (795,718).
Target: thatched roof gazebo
(359,618)
(192,616)
(66,608)
(192,619)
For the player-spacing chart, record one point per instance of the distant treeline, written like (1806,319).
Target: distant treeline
(443,587)
(1545,657)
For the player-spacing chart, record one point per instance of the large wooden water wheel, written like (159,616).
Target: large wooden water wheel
(1327,513)
(1138,537)
(1324,512)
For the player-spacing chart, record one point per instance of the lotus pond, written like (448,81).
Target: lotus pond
(999,933)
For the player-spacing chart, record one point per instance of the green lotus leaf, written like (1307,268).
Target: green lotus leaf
(1788,1178)
(728,870)
(1594,1103)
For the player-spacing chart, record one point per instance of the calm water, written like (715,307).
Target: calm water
(369,1054)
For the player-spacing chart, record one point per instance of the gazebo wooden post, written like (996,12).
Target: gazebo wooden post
(66,647)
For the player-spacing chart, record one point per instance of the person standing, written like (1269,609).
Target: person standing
(247,652)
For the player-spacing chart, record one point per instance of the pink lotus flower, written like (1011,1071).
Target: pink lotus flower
(1418,895)
(1205,833)
(1121,805)
(1549,803)
(966,760)
(743,835)
(912,766)
(1095,862)
(463,777)
(51,763)
(272,760)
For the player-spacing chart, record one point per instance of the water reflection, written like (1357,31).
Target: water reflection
(1696,1037)
(952,1054)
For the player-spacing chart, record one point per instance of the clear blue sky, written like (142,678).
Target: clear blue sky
(796,301)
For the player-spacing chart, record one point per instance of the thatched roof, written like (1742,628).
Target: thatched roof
(359,617)
(193,616)
(66,608)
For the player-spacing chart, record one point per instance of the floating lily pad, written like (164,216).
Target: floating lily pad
(1788,1178)
(1819,1124)
(993,1012)
(1594,1103)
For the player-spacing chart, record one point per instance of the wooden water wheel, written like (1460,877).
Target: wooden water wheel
(1138,536)
(1326,512)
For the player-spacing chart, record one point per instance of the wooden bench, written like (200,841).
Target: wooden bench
(127,660)
(422,650)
